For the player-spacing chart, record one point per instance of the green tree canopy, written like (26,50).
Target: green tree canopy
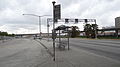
(90,30)
(75,31)
(6,34)
(3,33)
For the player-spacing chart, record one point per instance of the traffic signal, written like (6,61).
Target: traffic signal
(66,21)
(76,20)
(86,21)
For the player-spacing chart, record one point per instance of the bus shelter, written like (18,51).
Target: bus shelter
(62,42)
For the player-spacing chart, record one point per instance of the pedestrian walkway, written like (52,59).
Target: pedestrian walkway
(0,41)
(76,58)
(3,41)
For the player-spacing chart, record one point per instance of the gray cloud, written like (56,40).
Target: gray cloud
(12,20)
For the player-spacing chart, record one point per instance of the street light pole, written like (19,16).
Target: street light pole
(40,25)
(48,28)
(38,20)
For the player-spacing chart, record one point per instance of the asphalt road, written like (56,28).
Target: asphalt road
(21,53)
(30,53)
(106,48)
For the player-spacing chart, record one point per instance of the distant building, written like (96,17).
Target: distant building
(117,22)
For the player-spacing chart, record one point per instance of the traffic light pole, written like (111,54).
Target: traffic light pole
(95,30)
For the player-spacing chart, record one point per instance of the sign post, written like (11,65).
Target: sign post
(56,16)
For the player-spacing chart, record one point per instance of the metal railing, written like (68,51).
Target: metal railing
(5,38)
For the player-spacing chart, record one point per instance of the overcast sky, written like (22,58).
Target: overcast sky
(12,20)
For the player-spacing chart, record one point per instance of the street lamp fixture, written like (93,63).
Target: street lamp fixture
(39,20)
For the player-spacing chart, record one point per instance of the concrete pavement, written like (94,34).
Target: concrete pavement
(22,53)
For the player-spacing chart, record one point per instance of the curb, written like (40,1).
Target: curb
(45,48)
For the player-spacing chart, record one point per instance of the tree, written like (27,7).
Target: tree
(75,31)
(12,35)
(3,34)
(94,30)
(90,30)
(6,34)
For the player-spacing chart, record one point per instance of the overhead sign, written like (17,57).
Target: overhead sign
(67,20)
(57,12)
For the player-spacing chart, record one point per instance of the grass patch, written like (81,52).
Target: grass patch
(81,37)
(108,37)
